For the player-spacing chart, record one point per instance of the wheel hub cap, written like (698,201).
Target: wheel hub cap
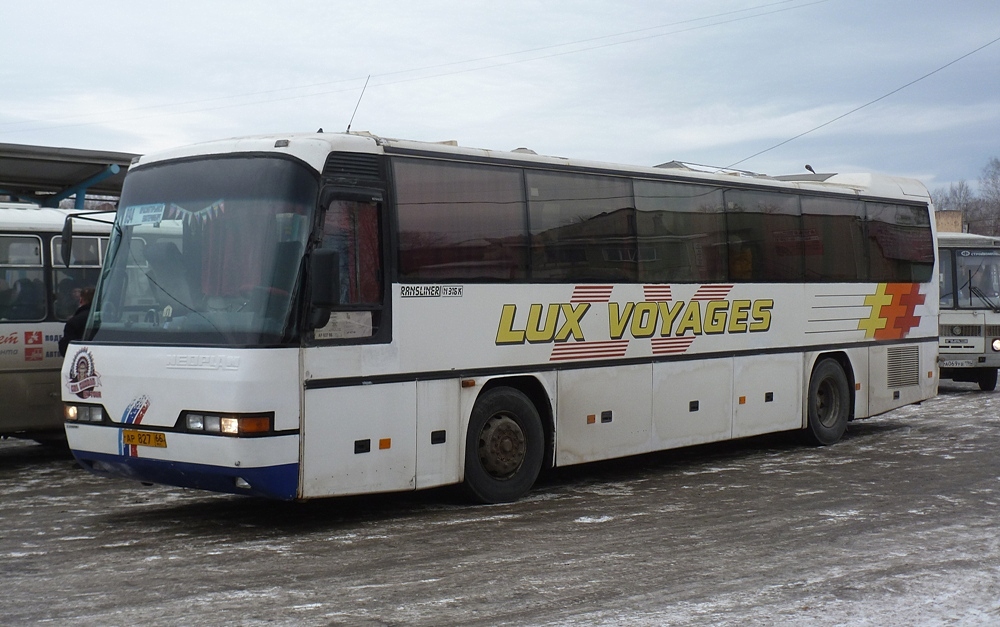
(502,446)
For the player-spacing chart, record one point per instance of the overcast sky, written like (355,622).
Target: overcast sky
(638,82)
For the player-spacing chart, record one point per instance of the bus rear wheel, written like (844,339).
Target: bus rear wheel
(987,379)
(504,447)
(829,403)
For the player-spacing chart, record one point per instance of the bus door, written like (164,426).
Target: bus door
(357,433)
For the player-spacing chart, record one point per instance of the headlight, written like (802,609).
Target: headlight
(195,422)
(996,344)
(228,424)
(84,413)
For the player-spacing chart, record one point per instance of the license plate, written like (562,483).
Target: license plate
(145,438)
(948,363)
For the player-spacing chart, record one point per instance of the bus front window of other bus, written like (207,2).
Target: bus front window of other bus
(978,276)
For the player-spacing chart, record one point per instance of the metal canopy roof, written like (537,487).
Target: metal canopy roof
(46,175)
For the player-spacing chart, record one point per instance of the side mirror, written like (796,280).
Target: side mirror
(324,273)
(66,244)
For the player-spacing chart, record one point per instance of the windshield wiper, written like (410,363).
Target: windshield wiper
(983,297)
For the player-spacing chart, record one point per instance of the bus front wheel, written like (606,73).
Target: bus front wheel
(987,379)
(829,403)
(504,447)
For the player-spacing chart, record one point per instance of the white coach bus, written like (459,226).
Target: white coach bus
(37,295)
(969,342)
(332,314)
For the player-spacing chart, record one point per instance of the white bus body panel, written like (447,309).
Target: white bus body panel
(439,411)
(767,394)
(339,420)
(901,375)
(603,413)
(692,402)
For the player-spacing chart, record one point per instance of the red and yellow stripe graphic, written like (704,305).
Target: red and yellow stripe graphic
(892,311)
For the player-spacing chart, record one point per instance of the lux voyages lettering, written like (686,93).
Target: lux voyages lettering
(560,322)
(539,330)
(720,316)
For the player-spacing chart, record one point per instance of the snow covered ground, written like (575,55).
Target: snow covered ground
(895,525)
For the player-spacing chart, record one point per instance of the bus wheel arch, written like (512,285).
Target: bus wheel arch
(507,442)
(830,399)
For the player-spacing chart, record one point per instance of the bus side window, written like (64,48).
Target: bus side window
(84,270)
(351,229)
(946,286)
(22,289)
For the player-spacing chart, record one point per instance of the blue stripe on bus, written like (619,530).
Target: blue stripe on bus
(275,482)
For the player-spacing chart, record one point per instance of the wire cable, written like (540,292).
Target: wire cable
(869,103)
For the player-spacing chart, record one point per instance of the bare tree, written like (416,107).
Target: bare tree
(989,193)
(958,197)
(981,212)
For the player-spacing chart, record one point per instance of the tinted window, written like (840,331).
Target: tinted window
(681,232)
(583,228)
(765,236)
(900,247)
(833,241)
(460,222)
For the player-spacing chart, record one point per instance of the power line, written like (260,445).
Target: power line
(871,102)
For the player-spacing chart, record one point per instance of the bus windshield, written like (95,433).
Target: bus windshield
(207,252)
(977,276)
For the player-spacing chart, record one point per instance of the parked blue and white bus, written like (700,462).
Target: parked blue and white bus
(300,316)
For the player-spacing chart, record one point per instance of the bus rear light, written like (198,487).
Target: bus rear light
(84,413)
(228,424)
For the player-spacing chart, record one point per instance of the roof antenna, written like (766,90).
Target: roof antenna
(359,103)
(810,168)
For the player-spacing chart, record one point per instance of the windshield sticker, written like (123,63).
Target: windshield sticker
(134,215)
(201,215)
